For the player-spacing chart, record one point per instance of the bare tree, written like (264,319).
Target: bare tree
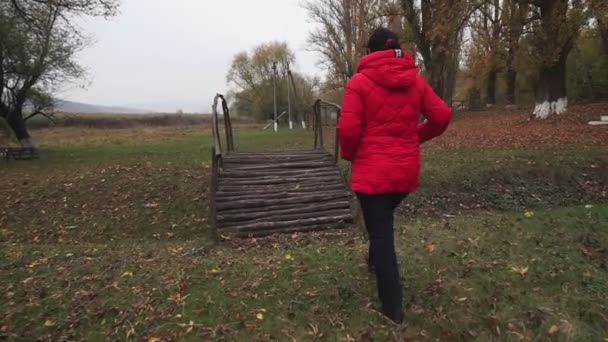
(437,27)
(486,33)
(514,20)
(599,10)
(38,42)
(554,32)
(342,33)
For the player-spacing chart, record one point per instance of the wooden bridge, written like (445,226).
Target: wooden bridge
(263,193)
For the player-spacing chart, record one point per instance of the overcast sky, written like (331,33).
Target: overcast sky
(166,55)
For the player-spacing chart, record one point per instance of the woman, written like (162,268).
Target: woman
(380,133)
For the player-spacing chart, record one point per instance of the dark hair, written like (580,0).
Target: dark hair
(383,39)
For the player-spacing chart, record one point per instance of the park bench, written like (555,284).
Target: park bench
(603,121)
(18,153)
(263,193)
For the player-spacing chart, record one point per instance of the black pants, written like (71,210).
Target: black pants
(378,212)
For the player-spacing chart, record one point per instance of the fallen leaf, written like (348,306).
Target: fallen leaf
(49,323)
(289,257)
(529,214)
(153,339)
(430,248)
(553,329)
(259,316)
(588,206)
(177,298)
(214,271)
(27,280)
(520,270)
(127,274)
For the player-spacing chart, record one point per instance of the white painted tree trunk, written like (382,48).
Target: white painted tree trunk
(551,94)
(547,108)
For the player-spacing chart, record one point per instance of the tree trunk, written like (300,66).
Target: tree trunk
(491,87)
(602,27)
(435,76)
(450,79)
(474,99)
(551,96)
(17,124)
(511,79)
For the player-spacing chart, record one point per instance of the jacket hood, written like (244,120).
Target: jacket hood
(394,69)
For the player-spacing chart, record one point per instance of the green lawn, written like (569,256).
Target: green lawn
(108,239)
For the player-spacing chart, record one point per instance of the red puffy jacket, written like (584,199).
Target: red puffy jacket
(379,127)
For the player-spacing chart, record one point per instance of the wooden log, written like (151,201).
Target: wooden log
(241,174)
(257,226)
(296,173)
(239,191)
(265,203)
(251,189)
(264,233)
(285,179)
(286,208)
(308,181)
(277,216)
(281,152)
(279,180)
(295,165)
(260,159)
(270,195)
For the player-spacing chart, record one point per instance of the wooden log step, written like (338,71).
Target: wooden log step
(334,195)
(278,153)
(295,165)
(228,173)
(239,191)
(320,184)
(269,195)
(286,208)
(268,232)
(279,180)
(289,158)
(278,216)
(252,227)
(291,173)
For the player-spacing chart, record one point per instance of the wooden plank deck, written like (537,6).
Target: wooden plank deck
(260,194)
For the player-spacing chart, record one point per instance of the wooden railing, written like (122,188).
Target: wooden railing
(318,125)
(217,152)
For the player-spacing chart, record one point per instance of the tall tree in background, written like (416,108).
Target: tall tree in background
(38,43)
(437,27)
(486,33)
(554,34)
(253,75)
(599,11)
(514,20)
(343,30)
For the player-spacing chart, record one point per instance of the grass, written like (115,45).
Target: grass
(106,237)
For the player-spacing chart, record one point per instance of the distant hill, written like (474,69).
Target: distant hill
(78,107)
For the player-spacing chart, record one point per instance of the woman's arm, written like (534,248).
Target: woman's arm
(350,123)
(437,113)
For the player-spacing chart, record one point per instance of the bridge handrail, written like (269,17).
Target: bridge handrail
(217,145)
(318,124)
